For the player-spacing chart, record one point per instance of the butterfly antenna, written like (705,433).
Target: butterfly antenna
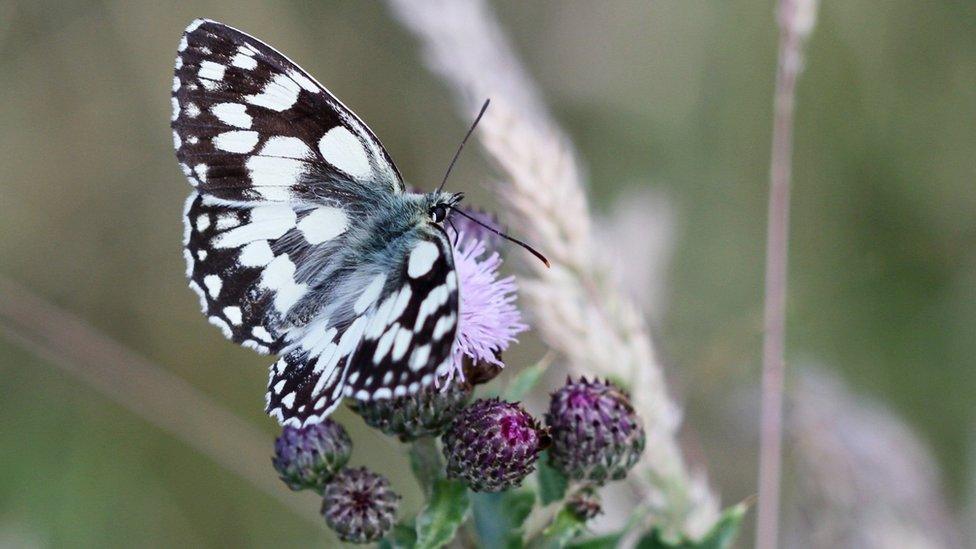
(463,141)
(531,250)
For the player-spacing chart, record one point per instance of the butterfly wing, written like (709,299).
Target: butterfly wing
(286,180)
(249,124)
(282,171)
(402,341)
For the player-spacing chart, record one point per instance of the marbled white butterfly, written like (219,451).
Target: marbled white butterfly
(301,238)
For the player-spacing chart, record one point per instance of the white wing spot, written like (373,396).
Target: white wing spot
(323,224)
(201,171)
(267,222)
(234,315)
(401,344)
(219,322)
(384,344)
(211,71)
(304,82)
(233,114)
(288,400)
(279,94)
(370,294)
(279,276)
(227,221)
(269,171)
(345,151)
(262,333)
(203,221)
(255,254)
(244,61)
(422,258)
(403,299)
(213,284)
(382,393)
(238,141)
(444,324)
(419,357)
(286,147)
(177,142)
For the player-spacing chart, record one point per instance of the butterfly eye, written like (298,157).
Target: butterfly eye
(438,213)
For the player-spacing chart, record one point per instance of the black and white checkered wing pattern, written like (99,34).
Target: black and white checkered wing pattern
(299,239)
(281,170)
(249,124)
(401,343)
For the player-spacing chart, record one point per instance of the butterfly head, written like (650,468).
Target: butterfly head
(440,204)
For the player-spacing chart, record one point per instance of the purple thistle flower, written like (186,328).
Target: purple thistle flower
(489,319)
(493,445)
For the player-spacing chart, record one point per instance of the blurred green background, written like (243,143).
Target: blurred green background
(674,96)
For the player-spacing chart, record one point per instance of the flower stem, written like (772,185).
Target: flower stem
(425,460)
(796,21)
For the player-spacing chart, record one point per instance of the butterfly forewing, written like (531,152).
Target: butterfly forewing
(298,238)
(251,125)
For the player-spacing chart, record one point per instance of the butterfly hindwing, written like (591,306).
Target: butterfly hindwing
(400,343)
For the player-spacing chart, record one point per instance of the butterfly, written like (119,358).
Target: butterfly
(301,238)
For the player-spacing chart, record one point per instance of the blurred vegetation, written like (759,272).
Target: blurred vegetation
(672,95)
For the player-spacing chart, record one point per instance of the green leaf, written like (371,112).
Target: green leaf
(562,530)
(403,536)
(498,517)
(526,380)
(552,483)
(720,536)
(447,508)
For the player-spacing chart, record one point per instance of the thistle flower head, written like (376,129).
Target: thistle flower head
(359,505)
(596,434)
(308,457)
(492,445)
(424,413)
(489,319)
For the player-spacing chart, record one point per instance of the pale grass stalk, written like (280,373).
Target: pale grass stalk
(796,21)
(576,308)
(145,389)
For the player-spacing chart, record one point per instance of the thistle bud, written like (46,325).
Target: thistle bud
(596,434)
(359,505)
(425,413)
(492,445)
(308,457)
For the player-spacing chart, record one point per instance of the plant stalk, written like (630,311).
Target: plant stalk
(796,21)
